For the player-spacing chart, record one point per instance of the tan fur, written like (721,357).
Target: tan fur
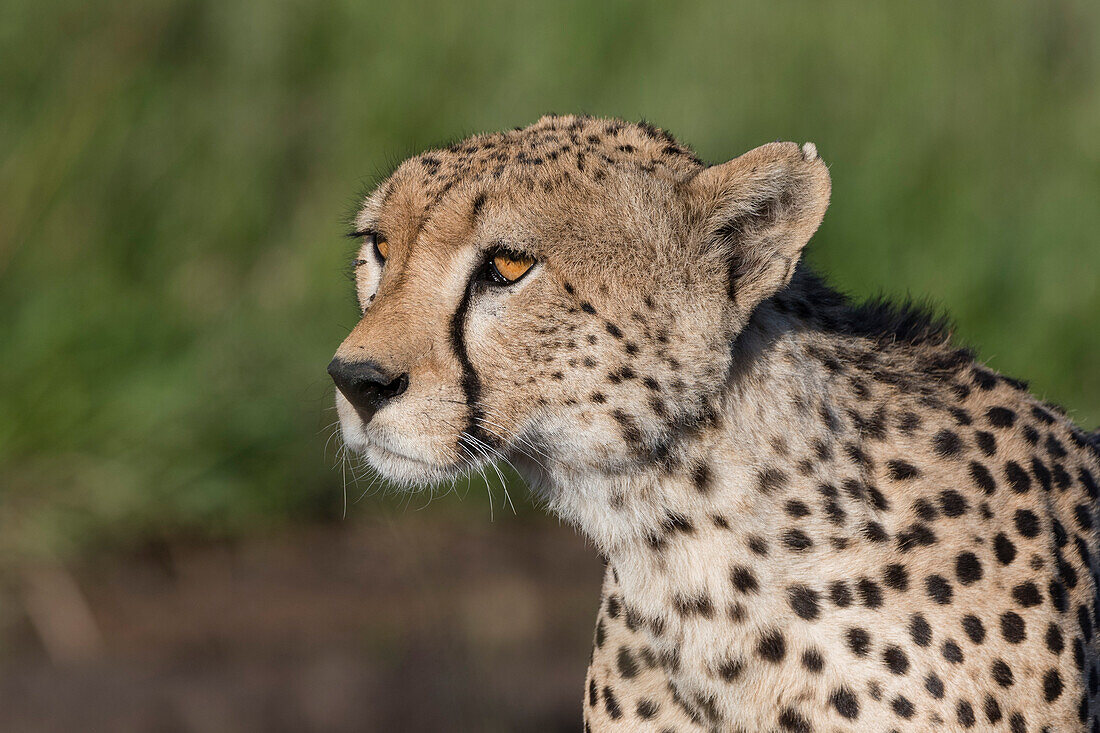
(805,509)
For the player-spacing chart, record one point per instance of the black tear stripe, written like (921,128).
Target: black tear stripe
(471,382)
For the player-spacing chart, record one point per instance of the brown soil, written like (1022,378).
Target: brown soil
(394,624)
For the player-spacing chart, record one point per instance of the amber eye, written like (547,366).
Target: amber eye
(508,267)
(381,247)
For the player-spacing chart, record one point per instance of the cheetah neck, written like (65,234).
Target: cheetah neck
(662,526)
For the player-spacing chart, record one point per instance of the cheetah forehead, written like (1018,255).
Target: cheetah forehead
(553,152)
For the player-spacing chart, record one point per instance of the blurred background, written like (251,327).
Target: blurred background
(180,548)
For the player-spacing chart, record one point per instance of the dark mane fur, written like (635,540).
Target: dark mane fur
(883,320)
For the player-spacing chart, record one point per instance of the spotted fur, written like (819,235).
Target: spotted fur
(817,515)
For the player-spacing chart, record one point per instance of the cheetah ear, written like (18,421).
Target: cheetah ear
(763,207)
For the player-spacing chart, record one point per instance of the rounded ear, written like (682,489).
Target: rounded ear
(762,208)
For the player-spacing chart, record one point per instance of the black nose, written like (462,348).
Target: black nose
(366,385)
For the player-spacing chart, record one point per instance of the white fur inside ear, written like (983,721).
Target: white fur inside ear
(809,151)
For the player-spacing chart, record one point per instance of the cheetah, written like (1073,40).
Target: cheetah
(816,514)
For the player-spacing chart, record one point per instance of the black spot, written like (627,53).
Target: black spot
(701,478)
(770,479)
(1001,673)
(587,307)
(1052,685)
(908,422)
(946,444)
(869,593)
(743,579)
(983,479)
(984,379)
(797,540)
(647,709)
(1027,595)
(878,500)
(845,702)
(917,535)
(1031,435)
(962,417)
(965,713)
(1054,639)
(875,532)
(796,508)
(896,577)
(986,442)
(920,630)
(620,374)
(840,594)
(1088,482)
(758,546)
(1012,627)
(697,605)
(791,720)
(611,704)
(730,669)
(804,602)
(1042,474)
(968,569)
(952,652)
(1083,517)
(479,203)
(925,510)
(629,427)
(1027,524)
(934,685)
(613,330)
(902,470)
(1004,549)
(1084,622)
(834,512)
(1017,724)
(895,660)
(628,667)
(1054,448)
(1000,417)
(991,709)
(813,661)
(858,456)
(953,503)
(1017,478)
(974,628)
(1042,415)
(771,647)
(903,707)
(859,641)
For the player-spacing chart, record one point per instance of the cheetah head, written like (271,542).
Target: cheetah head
(563,295)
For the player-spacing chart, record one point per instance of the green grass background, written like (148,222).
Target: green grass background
(175,175)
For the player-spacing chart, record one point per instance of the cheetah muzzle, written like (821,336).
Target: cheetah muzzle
(817,515)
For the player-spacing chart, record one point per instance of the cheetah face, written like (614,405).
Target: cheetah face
(563,296)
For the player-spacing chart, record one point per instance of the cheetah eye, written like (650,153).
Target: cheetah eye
(377,243)
(506,267)
(381,247)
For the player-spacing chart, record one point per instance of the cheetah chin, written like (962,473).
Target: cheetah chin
(817,515)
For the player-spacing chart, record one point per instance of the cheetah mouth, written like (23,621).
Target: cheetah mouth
(404,468)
